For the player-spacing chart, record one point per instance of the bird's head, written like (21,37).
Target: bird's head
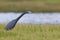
(28,12)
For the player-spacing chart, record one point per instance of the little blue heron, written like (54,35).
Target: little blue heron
(12,24)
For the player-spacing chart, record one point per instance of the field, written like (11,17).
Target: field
(31,32)
(32,5)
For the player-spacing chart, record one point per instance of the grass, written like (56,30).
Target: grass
(31,32)
(32,0)
(32,5)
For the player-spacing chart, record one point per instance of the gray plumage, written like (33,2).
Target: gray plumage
(12,24)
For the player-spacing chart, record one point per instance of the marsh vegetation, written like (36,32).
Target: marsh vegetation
(31,32)
(33,5)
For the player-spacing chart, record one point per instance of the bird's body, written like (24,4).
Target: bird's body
(12,24)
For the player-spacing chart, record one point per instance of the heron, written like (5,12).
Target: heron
(12,23)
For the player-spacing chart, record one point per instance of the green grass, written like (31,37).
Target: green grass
(32,0)
(31,32)
(32,5)
(28,5)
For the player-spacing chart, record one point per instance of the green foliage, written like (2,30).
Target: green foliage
(33,5)
(34,0)
(31,32)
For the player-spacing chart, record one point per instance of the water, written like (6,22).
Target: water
(37,18)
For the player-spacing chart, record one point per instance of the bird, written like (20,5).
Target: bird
(12,23)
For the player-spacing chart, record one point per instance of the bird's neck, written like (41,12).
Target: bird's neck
(20,16)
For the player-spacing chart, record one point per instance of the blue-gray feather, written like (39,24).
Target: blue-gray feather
(12,24)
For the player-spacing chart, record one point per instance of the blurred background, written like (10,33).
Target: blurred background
(43,23)
(32,5)
(43,11)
